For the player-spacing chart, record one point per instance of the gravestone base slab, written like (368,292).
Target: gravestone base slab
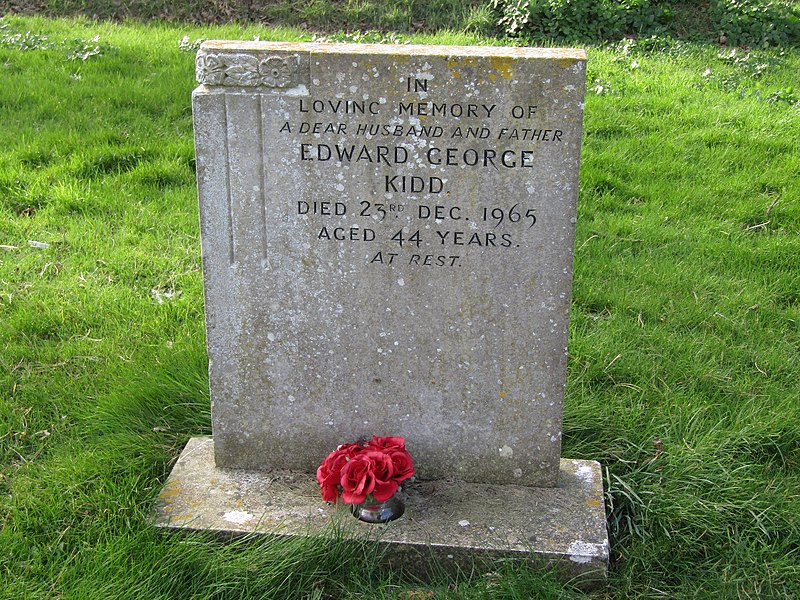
(447,524)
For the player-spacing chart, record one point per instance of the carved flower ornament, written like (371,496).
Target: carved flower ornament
(245,70)
(276,71)
(209,69)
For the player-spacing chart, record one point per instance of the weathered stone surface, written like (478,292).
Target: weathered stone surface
(447,521)
(387,249)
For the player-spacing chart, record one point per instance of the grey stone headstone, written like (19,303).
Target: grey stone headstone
(387,237)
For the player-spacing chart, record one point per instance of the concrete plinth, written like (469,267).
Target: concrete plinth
(450,522)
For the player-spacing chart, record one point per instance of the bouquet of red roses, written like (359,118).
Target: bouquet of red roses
(374,468)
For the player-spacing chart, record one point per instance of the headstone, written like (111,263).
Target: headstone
(387,247)
(387,237)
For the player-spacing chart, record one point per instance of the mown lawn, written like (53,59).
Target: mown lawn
(684,351)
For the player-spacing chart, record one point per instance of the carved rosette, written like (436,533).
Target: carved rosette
(247,70)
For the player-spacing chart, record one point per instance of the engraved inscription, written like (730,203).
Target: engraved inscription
(413,218)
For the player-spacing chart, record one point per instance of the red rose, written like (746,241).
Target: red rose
(402,464)
(383,470)
(385,443)
(357,479)
(350,449)
(329,472)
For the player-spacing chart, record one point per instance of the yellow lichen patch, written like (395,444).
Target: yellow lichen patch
(565,63)
(401,59)
(503,65)
(170,491)
(181,517)
(452,64)
(462,62)
(594,502)
(502,394)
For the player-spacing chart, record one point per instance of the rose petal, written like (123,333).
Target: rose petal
(384,490)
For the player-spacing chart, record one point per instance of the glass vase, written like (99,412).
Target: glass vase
(380,512)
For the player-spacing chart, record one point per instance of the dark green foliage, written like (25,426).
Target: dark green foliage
(740,22)
(758,22)
(586,20)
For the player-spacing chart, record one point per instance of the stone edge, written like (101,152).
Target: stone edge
(585,563)
(285,65)
(393,49)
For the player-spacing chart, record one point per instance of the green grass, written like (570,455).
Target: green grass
(685,335)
